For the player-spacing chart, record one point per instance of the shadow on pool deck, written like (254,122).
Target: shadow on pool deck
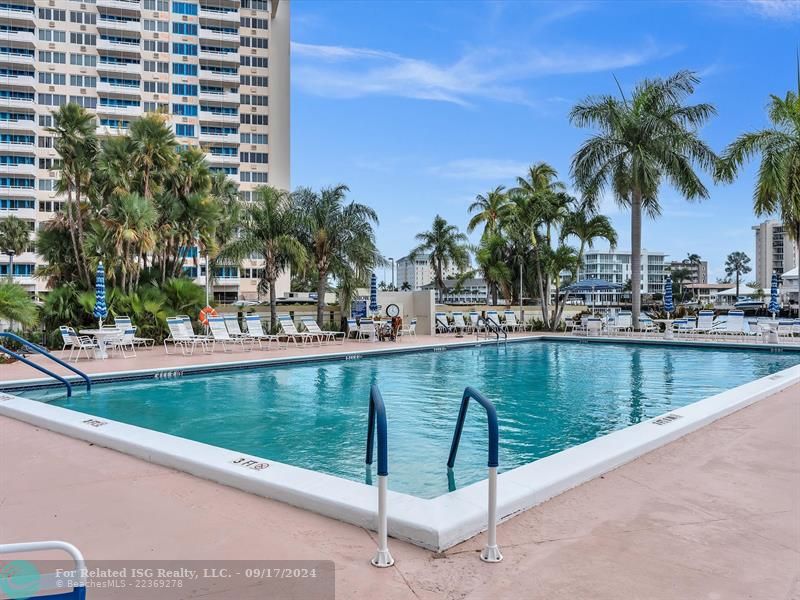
(713,515)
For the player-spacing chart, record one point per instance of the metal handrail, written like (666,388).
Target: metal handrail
(56,580)
(491,552)
(377,420)
(40,350)
(30,363)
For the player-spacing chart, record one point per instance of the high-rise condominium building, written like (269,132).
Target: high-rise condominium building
(775,252)
(417,271)
(218,68)
(615,266)
(698,272)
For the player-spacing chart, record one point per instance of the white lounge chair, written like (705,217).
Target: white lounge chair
(232,325)
(647,326)
(511,321)
(622,323)
(352,328)
(255,332)
(475,321)
(329,336)
(494,318)
(123,342)
(409,330)
(459,324)
(181,336)
(77,343)
(705,322)
(125,323)
(220,334)
(733,325)
(442,326)
(594,326)
(366,330)
(291,332)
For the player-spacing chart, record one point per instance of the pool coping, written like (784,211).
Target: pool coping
(437,523)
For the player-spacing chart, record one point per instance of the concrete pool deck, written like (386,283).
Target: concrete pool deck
(715,514)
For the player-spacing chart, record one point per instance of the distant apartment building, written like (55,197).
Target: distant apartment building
(775,252)
(418,272)
(468,291)
(218,68)
(615,266)
(698,272)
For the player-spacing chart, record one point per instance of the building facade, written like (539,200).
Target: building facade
(468,291)
(417,272)
(775,252)
(218,68)
(698,272)
(615,266)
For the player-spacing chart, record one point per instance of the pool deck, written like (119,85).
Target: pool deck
(714,515)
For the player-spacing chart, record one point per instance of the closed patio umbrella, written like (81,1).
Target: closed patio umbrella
(669,306)
(373,294)
(100,309)
(774,305)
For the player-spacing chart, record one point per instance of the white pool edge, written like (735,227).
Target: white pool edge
(437,523)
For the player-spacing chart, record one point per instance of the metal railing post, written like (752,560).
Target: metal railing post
(377,420)
(491,552)
(43,352)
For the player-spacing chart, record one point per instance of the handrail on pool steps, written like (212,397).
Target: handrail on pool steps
(377,420)
(39,350)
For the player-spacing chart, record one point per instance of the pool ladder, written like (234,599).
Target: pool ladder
(39,350)
(490,326)
(377,421)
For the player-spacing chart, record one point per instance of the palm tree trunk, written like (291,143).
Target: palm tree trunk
(72,235)
(79,222)
(545,315)
(321,285)
(273,306)
(636,257)
(737,285)
(11,268)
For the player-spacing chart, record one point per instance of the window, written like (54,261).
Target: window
(52,35)
(156,87)
(52,100)
(185,110)
(222,150)
(14,204)
(218,130)
(159,5)
(255,4)
(184,8)
(184,49)
(52,14)
(46,120)
(83,81)
(182,130)
(253,42)
(249,119)
(122,102)
(253,61)
(83,39)
(155,46)
(152,66)
(83,17)
(86,60)
(253,80)
(47,185)
(184,69)
(114,123)
(52,78)
(84,101)
(254,23)
(219,110)
(184,89)
(184,28)
(150,25)
(253,157)
(253,138)
(255,100)
(16,182)
(156,107)
(58,58)
(48,163)
(253,176)
(13,138)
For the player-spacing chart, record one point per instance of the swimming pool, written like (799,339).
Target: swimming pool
(550,395)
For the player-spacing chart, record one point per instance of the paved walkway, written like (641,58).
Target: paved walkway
(715,515)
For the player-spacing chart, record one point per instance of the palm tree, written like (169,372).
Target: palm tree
(153,151)
(737,264)
(490,210)
(679,276)
(269,230)
(587,228)
(694,260)
(76,143)
(493,258)
(445,246)
(642,142)
(778,182)
(131,218)
(14,239)
(16,305)
(406,287)
(339,236)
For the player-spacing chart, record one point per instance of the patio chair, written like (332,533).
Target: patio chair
(594,326)
(292,334)
(705,322)
(329,336)
(76,343)
(232,325)
(352,329)
(511,321)
(459,324)
(255,332)
(785,331)
(123,342)
(622,323)
(475,321)
(366,330)
(733,324)
(647,326)
(409,330)
(124,322)
(220,334)
(181,338)
(494,318)
(442,326)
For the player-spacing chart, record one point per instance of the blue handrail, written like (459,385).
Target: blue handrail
(38,367)
(42,351)
(377,414)
(491,416)
(495,327)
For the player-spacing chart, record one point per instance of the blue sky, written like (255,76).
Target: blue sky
(419,106)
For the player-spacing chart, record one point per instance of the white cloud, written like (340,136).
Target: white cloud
(480,168)
(784,10)
(346,72)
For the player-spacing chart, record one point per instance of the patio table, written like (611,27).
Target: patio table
(102,337)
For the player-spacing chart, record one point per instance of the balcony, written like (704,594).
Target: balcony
(17,59)
(124,90)
(222,159)
(17,192)
(125,68)
(128,111)
(21,213)
(224,97)
(26,37)
(20,147)
(21,125)
(228,57)
(18,81)
(125,5)
(115,25)
(214,14)
(19,170)
(17,103)
(219,138)
(106,131)
(27,15)
(209,117)
(210,34)
(206,75)
(132,48)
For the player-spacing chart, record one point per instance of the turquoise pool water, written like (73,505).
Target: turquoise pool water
(549,396)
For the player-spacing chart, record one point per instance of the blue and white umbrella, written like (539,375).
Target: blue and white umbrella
(373,294)
(100,308)
(774,306)
(669,306)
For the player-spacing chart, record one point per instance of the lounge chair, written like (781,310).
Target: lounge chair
(352,329)
(182,336)
(442,326)
(733,325)
(220,334)
(409,330)
(475,321)
(494,319)
(366,330)
(647,326)
(594,326)
(123,342)
(76,343)
(622,323)
(459,324)
(255,332)
(683,327)
(124,322)
(511,321)
(329,336)
(232,325)
(292,334)
(705,322)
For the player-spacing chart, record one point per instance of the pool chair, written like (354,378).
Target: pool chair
(511,321)
(623,323)
(232,325)
(220,334)
(733,326)
(409,330)
(366,330)
(124,322)
(682,327)
(647,326)
(705,323)
(785,331)
(293,335)
(179,337)
(255,332)
(327,336)
(459,324)
(442,326)
(124,342)
(188,331)
(475,321)
(494,318)
(594,326)
(352,329)
(76,343)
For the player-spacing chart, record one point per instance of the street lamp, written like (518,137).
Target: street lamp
(391,260)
